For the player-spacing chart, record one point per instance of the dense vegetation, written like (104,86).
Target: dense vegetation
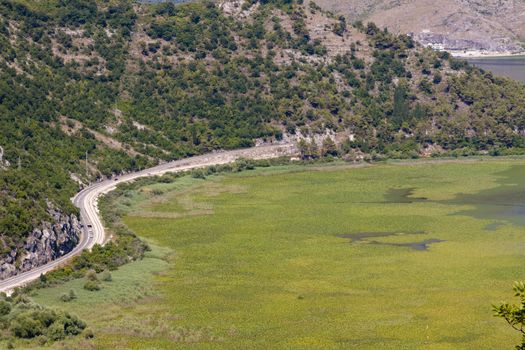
(37,87)
(129,85)
(21,318)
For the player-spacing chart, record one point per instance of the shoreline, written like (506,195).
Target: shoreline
(486,54)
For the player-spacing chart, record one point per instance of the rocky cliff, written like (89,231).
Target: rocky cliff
(457,45)
(43,244)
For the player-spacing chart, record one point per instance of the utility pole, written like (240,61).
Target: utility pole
(19,163)
(87,169)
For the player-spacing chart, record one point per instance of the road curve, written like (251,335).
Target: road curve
(87,201)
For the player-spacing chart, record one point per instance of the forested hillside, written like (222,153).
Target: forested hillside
(131,84)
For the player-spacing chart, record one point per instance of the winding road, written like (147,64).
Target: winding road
(87,201)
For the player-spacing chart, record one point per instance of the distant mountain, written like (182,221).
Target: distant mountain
(91,88)
(459,25)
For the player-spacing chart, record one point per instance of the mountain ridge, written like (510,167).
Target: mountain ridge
(488,26)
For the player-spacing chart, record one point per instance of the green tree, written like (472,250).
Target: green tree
(425,86)
(514,314)
(401,107)
(437,78)
(308,150)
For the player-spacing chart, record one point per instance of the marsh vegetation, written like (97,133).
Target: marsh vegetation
(304,257)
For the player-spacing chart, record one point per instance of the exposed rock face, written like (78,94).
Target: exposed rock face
(456,25)
(3,163)
(446,42)
(44,244)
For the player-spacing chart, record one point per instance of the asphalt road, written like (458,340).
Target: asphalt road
(87,201)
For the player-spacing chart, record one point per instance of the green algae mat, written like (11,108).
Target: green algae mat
(391,256)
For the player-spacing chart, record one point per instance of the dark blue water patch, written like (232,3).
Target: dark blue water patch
(494,226)
(403,195)
(365,237)
(392,196)
(503,203)
(423,245)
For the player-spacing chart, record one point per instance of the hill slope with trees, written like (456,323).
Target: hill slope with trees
(128,85)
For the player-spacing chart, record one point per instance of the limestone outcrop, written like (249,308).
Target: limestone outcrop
(48,242)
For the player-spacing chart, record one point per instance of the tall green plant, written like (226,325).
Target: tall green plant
(514,314)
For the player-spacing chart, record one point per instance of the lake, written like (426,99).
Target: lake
(513,67)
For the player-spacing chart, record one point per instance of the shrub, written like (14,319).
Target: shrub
(198,174)
(424,86)
(72,324)
(91,275)
(64,298)
(69,296)
(56,331)
(72,294)
(157,192)
(88,334)
(5,308)
(92,286)
(41,340)
(437,78)
(106,276)
(24,326)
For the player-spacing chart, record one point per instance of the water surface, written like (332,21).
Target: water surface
(512,67)
(503,203)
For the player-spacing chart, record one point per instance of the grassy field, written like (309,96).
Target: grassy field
(331,257)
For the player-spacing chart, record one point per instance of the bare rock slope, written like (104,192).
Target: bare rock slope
(493,26)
